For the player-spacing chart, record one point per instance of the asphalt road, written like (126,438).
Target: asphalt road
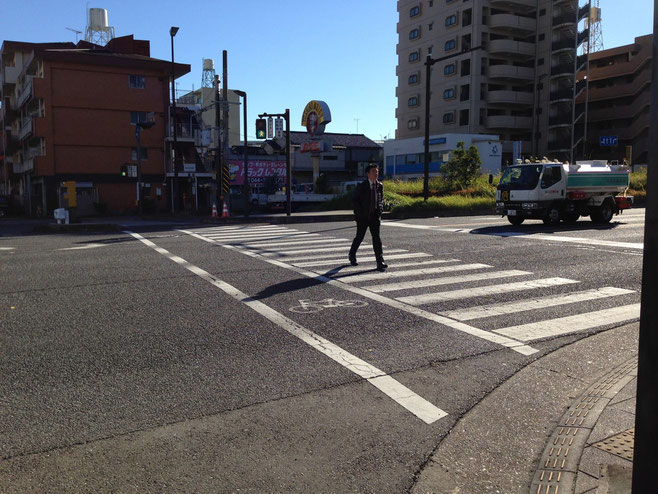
(251,358)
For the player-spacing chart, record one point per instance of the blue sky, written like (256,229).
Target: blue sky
(284,53)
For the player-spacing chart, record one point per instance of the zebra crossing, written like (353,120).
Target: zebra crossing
(423,285)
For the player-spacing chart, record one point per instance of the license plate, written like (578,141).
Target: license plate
(511,212)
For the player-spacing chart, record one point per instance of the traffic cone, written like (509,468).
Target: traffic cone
(214,210)
(225,211)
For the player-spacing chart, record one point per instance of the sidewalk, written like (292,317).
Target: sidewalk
(564,424)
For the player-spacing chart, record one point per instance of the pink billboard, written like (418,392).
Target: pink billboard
(258,171)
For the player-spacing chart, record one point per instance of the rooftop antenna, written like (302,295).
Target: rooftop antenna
(77,33)
(593,22)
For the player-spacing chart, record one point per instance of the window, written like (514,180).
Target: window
(451,44)
(449,93)
(464,92)
(448,118)
(414,56)
(414,11)
(430,49)
(551,176)
(143,152)
(542,12)
(412,124)
(413,79)
(430,26)
(413,101)
(463,117)
(451,20)
(449,69)
(414,33)
(138,81)
(541,37)
(137,117)
(431,3)
(466,67)
(540,61)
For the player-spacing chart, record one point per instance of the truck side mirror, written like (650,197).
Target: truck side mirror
(490,179)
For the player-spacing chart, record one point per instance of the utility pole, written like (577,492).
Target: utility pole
(218,154)
(246,188)
(645,457)
(226,185)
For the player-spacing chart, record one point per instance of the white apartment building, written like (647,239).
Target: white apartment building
(518,83)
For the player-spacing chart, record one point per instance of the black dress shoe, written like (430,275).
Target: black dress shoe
(353,261)
(382,267)
(382,264)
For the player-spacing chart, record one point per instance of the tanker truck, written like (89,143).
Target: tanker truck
(554,191)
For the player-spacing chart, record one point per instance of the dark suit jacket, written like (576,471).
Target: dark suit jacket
(361,201)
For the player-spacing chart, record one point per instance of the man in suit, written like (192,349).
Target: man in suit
(368,206)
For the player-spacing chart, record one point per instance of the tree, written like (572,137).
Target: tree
(463,168)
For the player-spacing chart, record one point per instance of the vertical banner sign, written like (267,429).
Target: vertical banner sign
(270,132)
(278,128)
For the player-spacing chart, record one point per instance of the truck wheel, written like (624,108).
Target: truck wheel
(602,214)
(515,220)
(552,216)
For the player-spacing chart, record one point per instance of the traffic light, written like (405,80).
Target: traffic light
(261,128)
(124,171)
(70,195)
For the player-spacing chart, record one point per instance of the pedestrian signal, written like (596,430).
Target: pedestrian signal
(124,171)
(261,128)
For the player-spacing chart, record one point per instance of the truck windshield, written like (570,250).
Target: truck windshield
(520,177)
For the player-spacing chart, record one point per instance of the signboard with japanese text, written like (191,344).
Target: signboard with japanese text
(258,171)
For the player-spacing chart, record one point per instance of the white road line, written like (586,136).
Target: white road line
(329,258)
(531,236)
(7,248)
(342,248)
(387,275)
(363,260)
(282,233)
(448,280)
(291,243)
(417,405)
(83,247)
(571,324)
(534,304)
(243,228)
(444,321)
(430,298)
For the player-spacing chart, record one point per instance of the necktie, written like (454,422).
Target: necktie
(373,197)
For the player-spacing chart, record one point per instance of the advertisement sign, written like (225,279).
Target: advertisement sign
(258,171)
(315,117)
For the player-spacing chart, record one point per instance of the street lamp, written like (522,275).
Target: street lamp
(174,181)
(428,69)
(246,188)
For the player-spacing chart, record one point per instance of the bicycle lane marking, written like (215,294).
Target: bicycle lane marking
(505,341)
(411,401)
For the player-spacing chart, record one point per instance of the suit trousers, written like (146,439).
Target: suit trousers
(361,226)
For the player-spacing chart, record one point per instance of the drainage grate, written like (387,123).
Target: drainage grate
(621,445)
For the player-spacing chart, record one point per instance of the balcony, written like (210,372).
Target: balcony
(510,97)
(564,44)
(509,122)
(26,129)
(564,19)
(26,93)
(563,70)
(511,72)
(512,24)
(511,48)
(24,166)
(521,5)
(560,121)
(186,132)
(10,75)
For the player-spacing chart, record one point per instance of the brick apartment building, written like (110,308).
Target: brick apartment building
(619,101)
(68,114)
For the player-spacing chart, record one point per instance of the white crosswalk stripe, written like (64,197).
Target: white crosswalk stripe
(364,260)
(430,298)
(448,280)
(409,271)
(532,304)
(571,324)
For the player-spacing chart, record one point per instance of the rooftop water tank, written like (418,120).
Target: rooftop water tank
(98,18)
(208,64)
